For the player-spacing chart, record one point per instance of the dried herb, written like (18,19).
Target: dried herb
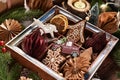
(20,14)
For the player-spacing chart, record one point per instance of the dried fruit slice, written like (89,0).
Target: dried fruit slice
(61,22)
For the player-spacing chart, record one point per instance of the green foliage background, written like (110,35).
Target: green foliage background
(20,14)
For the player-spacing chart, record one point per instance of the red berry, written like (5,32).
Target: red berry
(2,43)
(4,50)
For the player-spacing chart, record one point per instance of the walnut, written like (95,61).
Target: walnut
(54,59)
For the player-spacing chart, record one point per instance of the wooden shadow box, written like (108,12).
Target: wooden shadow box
(45,72)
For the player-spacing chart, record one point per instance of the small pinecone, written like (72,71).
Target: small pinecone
(24,72)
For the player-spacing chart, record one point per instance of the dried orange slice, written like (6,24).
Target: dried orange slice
(61,22)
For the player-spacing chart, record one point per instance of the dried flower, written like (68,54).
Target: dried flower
(9,28)
(34,44)
(97,42)
(75,68)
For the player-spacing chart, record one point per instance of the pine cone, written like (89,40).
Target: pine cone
(24,72)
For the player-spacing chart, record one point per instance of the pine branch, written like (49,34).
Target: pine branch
(4,60)
(116,51)
(99,2)
(20,14)
(7,71)
(12,72)
(34,76)
(118,74)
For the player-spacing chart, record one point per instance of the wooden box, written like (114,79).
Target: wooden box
(45,72)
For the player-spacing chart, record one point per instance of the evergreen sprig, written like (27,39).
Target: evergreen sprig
(8,72)
(5,73)
(93,2)
(12,72)
(118,75)
(34,76)
(116,51)
(20,14)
